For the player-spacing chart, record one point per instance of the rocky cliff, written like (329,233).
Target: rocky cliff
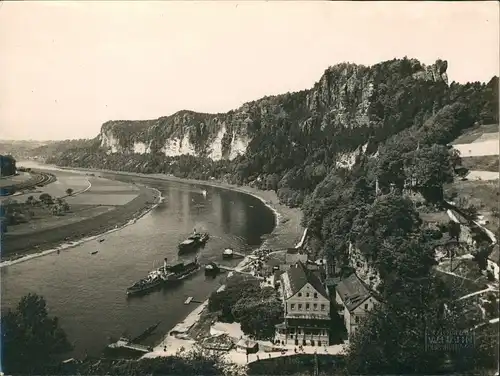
(347,96)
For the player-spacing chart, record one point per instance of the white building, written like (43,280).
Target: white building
(306,307)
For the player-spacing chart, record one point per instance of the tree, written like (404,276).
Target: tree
(30,200)
(260,319)
(454,230)
(259,313)
(429,168)
(237,287)
(69,191)
(46,199)
(195,362)
(32,341)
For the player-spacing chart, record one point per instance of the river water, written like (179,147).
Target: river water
(87,292)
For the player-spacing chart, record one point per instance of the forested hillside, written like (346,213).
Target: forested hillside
(352,152)
(296,138)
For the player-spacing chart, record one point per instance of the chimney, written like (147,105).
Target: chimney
(165,263)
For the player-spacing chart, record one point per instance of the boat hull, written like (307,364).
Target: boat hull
(194,246)
(145,289)
(181,276)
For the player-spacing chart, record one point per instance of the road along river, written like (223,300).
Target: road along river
(87,292)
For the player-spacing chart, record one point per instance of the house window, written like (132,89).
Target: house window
(307,295)
(315,306)
(307,306)
(292,306)
(299,294)
(300,306)
(356,319)
(315,295)
(322,307)
(366,306)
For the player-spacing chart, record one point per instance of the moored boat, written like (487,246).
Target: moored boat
(153,279)
(212,269)
(228,253)
(179,271)
(193,242)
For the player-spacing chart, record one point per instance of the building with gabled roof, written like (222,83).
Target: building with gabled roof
(293,256)
(355,300)
(306,308)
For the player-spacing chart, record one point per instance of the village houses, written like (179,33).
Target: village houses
(306,309)
(355,300)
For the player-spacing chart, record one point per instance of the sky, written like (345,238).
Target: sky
(67,67)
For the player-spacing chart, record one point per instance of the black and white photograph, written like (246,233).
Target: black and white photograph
(261,188)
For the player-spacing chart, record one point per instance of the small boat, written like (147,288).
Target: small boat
(146,333)
(101,240)
(193,242)
(212,269)
(228,253)
(94,252)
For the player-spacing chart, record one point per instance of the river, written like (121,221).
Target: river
(87,292)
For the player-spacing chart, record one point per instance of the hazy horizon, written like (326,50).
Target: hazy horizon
(68,67)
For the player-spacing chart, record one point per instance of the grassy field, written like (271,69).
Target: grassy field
(483,163)
(16,245)
(484,195)
(50,221)
(473,134)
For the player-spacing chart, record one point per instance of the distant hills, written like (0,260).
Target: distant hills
(38,150)
(290,142)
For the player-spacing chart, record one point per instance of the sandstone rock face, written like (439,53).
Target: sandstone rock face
(341,99)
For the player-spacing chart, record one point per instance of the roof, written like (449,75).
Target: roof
(277,274)
(297,277)
(294,251)
(352,292)
(436,217)
(495,254)
(247,343)
(332,281)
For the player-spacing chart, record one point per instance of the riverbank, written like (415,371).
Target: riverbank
(288,230)
(287,233)
(22,247)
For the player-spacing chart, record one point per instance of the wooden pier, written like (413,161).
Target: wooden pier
(235,270)
(190,299)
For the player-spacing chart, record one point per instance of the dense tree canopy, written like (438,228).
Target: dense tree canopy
(31,340)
